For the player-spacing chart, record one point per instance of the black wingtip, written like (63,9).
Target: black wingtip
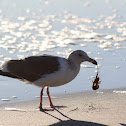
(7,74)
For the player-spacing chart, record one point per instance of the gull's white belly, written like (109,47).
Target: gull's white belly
(60,77)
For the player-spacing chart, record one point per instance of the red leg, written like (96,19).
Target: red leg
(51,104)
(49,97)
(40,107)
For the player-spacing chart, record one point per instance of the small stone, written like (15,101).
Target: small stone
(14,96)
(117,67)
(5,99)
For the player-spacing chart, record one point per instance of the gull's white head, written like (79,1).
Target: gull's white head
(80,56)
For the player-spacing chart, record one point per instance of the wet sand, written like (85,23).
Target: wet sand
(81,109)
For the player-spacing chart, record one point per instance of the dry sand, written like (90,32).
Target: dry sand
(81,109)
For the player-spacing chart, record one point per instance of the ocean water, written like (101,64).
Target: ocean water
(57,27)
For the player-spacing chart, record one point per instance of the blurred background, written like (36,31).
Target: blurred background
(57,27)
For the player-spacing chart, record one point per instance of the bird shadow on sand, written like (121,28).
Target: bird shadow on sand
(122,124)
(76,123)
(71,122)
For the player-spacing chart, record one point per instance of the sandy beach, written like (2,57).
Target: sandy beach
(79,109)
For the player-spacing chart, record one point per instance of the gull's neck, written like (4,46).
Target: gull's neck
(73,63)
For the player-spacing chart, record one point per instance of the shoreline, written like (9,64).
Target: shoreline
(60,95)
(84,108)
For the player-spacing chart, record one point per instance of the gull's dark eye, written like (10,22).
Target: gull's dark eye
(80,55)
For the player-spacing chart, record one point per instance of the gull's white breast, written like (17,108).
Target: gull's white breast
(60,77)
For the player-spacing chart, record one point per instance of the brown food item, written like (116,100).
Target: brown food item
(96,83)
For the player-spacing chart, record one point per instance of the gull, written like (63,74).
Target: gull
(46,70)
